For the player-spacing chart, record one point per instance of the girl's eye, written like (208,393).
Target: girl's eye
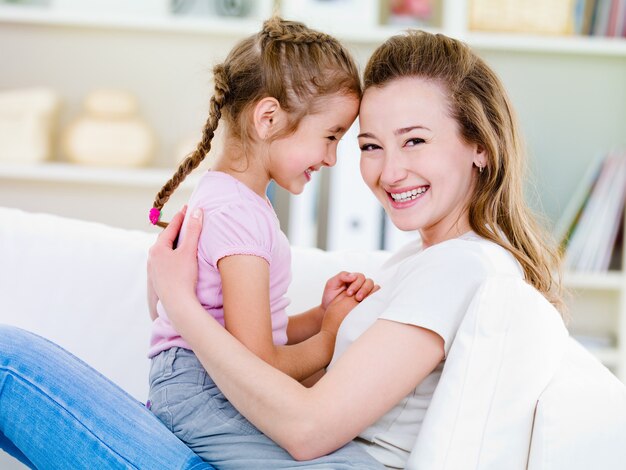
(415,141)
(332,138)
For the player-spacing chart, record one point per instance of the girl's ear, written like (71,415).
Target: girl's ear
(265,117)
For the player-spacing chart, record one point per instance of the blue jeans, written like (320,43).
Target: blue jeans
(186,399)
(57,412)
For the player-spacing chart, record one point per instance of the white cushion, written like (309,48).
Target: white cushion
(82,285)
(580,421)
(507,349)
(312,267)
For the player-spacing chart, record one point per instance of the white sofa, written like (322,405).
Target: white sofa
(516,393)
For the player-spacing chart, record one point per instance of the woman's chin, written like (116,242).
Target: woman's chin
(404,224)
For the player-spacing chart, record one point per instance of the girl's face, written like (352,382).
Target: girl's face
(294,158)
(414,159)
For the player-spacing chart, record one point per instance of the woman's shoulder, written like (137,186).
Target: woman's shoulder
(470,252)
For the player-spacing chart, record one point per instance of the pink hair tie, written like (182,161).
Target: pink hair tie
(155,215)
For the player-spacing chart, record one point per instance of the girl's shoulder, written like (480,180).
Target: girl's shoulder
(218,191)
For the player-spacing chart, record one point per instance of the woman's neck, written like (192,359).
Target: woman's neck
(445,230)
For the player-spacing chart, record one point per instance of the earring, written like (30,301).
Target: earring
(480,169)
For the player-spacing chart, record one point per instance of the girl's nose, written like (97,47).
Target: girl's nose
(331,158)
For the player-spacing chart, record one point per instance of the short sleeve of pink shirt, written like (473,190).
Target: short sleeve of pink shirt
(237,229)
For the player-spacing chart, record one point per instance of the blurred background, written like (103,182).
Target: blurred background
(99,101)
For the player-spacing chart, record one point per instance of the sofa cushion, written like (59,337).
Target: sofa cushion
(505,352)
(82,285)
(312,267)
(580,422)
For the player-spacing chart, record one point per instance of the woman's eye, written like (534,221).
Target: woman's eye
(332,138)
(415,141)
(368,147)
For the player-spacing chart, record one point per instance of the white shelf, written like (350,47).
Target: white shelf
(237,27)
(69,173)
(583,45)
(612,280)
(218,26)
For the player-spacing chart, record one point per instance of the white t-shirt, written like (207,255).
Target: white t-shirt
(431,288)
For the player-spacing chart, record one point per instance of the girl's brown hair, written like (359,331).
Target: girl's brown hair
(285,60)
(481,107)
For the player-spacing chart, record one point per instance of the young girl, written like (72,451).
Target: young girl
(441,151)
(287,95)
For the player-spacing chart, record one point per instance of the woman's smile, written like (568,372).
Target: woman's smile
(403,198)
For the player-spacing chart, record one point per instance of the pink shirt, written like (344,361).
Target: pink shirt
(237,221)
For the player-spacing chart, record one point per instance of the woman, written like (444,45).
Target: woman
(441,152)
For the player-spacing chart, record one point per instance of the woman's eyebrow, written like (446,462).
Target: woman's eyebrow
(400,131)
(366,134)
(405,130)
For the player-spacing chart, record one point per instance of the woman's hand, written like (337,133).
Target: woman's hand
(152,300)
(354,284)
(173,272)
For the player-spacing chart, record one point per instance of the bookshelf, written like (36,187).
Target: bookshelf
(569,92)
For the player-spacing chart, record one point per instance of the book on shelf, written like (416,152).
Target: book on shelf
(563,17)
(601,18)
(529,16)
(593,221)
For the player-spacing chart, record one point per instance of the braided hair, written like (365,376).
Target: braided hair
(285,60)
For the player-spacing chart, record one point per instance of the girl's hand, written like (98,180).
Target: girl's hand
(174,272)
(336,312)
(354,284)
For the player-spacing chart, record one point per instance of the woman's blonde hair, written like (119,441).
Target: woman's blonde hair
(286,60)
(481,107)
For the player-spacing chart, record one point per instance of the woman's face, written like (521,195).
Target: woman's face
(414,159)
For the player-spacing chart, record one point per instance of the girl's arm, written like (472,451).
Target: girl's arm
(304,325)
(245,288)
(377,371)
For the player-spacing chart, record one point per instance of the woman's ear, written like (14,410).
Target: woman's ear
(265,116)
(480,156)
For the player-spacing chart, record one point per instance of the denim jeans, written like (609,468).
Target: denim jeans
(186,399)
(56,412)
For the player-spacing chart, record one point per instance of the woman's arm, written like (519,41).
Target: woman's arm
(384,365)
(377,371)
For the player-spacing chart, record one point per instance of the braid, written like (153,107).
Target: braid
(292,32)
(204,146)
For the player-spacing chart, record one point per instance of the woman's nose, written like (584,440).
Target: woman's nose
(393,170)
